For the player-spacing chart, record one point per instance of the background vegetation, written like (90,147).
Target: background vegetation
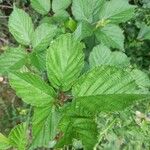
(128,130)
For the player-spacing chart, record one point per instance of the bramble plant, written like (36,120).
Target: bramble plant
(67,84)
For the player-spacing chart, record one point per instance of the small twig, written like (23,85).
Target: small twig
(9,3)
(3,40)
(3,17)
(104,132)
(6,6)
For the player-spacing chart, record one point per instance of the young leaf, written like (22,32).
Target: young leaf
(71,24)
(104,80)
(44,126)
(78,127)
(41,6)
(21,26)
(4,142)
(19,136)
(87,10)
(111,35)
(65,61)
(117,11)
(32,89)
(43,36)
(102,55)
(12,59)
(58,5)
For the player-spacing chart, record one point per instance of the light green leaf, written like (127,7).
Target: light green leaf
(141,78)
(120,59)
(102,55)
(4,142)
(41,6)
(19,136)
(44,126)
(111,35)
(87,10)
(65,60)
(83,30)
(61,16)
(32,89)
(71,24)
(43,36)
(78,127)
(117,11)
(21,26)
(144,33)
(104,80)
(12,59)
(58,5)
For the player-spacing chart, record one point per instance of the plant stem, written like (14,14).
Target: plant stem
(6,6)
(104,132)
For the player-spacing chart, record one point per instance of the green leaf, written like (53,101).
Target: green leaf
(83,30)
(87,10)
(144,33)
(58,5)
(111,35)
(38,59)
(104,80)
(71,24)
(117,11)
(41,6)
(32,89)
(4,142)
(120,59)
(43,36)
(19,136)
(21,26)
(106,89)
(78,127)
(12,59)
(102,55)
(141,78)
(61,16)
(65,60)
(44,126)
(96,104)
